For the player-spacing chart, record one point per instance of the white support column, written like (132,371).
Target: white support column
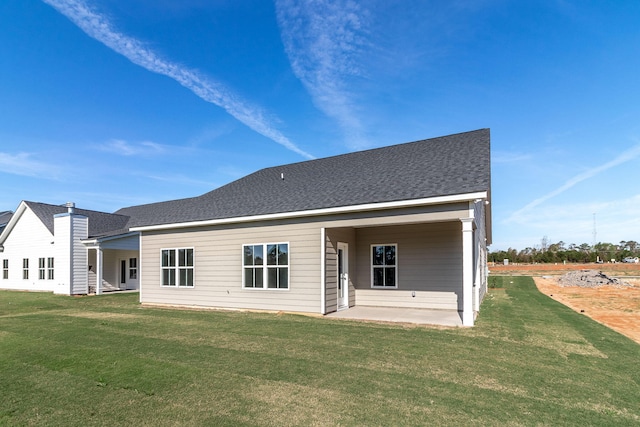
(99,264)
(467,272)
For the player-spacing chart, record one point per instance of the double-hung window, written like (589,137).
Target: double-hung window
(177,267)
(41,269)
(384,267)
(266,266)
(5,268)
(25,268)
(133,268)
(50,268)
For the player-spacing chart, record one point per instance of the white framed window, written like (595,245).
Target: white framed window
(25,268)
(133,268)
(384,265)
(50,268)
(5,268)
(41,269)
(265,266)
(177,267)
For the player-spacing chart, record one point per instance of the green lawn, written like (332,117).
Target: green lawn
(107,361)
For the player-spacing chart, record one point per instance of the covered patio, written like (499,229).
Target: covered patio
(418,316)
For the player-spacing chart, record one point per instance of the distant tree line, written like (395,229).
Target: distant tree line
(561,252)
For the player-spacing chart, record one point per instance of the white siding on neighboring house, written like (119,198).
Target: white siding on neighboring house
(79,273)
(71,275)
(32,240)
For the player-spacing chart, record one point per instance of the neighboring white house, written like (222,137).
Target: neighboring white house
(400,226)
(67,250)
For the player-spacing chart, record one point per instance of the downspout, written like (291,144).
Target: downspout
(140,267)
(323,255)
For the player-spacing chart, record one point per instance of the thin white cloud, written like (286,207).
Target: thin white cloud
(322,39)
(124,148)
(615,220)
(626,156)
(99,28)
(504,157)
(24,164)
(182,179)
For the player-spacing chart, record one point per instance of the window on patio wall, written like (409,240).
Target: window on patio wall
(384,267)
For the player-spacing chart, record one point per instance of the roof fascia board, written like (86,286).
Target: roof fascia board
(97,241)
(326,211)
(22,207)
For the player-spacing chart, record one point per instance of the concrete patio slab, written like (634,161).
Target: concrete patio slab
(401,315)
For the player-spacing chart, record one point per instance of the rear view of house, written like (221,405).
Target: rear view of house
(401,226)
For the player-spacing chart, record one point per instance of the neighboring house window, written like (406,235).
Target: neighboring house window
(50,268)
(384,267)
(133,268)
(5,268)
(41,269)
(25,268)
(177,267)
(270,272)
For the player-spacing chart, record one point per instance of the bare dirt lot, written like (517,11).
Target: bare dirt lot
(617,307)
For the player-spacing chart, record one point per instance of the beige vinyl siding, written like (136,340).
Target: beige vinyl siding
(334,236)
(482,272)
(218,258)
(429,264)
(407,299)
(218,267)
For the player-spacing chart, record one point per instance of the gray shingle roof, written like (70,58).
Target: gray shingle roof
(5,217)
(100,223)
(448,165)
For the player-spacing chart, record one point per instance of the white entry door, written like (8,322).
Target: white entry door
(343,275)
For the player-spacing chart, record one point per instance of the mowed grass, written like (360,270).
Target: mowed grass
(108,361)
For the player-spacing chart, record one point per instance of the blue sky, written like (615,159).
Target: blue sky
(111,104)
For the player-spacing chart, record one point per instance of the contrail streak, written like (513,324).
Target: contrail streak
(630,154)
(99,28)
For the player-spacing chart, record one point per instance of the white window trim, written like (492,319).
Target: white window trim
(42,268)
(265,272)
(135,269)
(25,269)
(5,269)
(177,269)
(51,268)
(372,266)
